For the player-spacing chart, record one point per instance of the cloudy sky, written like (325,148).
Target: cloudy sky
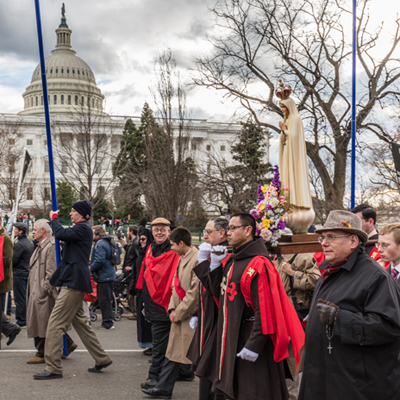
(120,40)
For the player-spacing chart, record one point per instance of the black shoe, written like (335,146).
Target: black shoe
(46,375)
(13,335)
(157,393)
(149,383)
(148,352)
(186,378)
(98,368)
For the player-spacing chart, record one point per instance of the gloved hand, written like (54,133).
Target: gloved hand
(217,258)
(327,311)
(204,252)
(248,355)
(194,321)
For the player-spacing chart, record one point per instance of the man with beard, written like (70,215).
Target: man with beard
(255,318)
(158,269)
(203,347)
(353,328)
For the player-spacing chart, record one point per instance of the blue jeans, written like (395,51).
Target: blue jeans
(19,287)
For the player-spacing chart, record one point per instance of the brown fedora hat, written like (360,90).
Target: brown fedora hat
(344,221)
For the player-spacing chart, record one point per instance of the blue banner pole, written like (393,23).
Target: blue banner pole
(353,110)
(48,133)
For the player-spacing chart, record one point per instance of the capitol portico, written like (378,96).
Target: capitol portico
(72,89)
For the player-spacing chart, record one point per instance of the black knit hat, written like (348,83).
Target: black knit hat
(84,208)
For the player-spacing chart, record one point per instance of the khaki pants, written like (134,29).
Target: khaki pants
(294,386)
(68,310)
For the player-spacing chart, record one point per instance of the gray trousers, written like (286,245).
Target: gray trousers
(69,310)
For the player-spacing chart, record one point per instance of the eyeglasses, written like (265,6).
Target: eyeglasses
(157,230)
(143,240)
(330,238)
(208,231)
(232,228)
(383,245)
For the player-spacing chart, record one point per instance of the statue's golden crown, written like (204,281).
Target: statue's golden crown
(283,91)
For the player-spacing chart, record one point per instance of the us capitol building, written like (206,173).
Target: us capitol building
(72,92)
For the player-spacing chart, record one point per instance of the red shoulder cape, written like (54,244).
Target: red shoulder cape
(1,259)
(158,275)
(278,316)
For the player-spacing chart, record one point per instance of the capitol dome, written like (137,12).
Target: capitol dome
(70,81)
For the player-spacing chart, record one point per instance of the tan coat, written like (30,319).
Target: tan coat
(306,276)
(181,333)
(40,295)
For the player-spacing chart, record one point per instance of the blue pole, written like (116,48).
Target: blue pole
(48,133)
(353,110)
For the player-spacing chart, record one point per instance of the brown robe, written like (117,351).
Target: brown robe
(239,326)
(203,348)
(40,294)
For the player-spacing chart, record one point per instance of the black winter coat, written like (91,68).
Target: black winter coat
(73,270)
(365,360)
(23,249)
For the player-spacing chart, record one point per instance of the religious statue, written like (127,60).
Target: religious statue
(63,10)
(293,164)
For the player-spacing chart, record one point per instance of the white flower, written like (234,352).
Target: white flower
(266,234)
(274,202)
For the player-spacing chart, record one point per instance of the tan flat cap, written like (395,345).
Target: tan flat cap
(160,221)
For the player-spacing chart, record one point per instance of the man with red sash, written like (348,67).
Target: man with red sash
(203,348)
(182,303)
(155,279)
(256,320)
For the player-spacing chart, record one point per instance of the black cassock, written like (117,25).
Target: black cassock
(239,326)
(364,363)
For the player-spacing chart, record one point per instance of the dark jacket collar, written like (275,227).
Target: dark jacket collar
(352,258)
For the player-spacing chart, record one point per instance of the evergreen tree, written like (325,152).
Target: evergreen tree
(66,196)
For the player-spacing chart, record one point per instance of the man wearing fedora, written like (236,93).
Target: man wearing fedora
(73,276)
(353,329)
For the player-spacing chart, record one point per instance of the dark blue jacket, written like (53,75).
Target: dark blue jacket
(73,270)
(100,265)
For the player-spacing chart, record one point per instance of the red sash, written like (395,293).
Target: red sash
(178,288)
(278,316)
(159,274)
(1,259)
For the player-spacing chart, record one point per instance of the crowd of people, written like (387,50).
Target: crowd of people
(247,324)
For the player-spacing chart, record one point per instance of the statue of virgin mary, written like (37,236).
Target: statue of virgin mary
(293,164)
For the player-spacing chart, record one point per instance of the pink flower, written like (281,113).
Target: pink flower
(285,188)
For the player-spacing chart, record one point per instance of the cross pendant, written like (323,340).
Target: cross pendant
(330,348)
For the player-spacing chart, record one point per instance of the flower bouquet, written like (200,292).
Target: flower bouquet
(270,211)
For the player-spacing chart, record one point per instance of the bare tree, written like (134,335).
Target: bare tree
(155,160)
(85,149)
(304,43)
(11,153)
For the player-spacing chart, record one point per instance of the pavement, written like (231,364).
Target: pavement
(120,381)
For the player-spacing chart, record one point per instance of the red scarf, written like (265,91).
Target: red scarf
(331,269)
(158,276)
(180,291)
(278,316)
(1,259)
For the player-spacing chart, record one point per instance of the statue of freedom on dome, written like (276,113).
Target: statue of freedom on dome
(63,10)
